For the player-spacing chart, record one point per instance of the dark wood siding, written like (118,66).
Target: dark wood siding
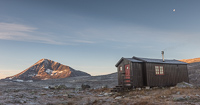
(173,74)
(136,71)
(121,73)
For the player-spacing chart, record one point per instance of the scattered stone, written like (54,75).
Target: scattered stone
(138,89)
(178,93)
(147,88)
(47,87)
(100,95)
(163,96)
(85,86)
(65,95)
(58,87)
(105,94)
(110,94)
(43,94)
(178,98)
(155,87)
(118,97)
(172,88)
(77,89)
(187,97)
(104,87)
(183,85)
(70,95)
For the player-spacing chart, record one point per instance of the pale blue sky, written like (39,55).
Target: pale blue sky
(92,35)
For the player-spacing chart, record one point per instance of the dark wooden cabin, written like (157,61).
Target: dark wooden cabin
(139,72)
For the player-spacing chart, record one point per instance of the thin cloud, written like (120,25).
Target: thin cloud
(83,41)
(19,32)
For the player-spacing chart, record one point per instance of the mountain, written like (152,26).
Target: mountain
(47,69)
(191,60)
(193,70)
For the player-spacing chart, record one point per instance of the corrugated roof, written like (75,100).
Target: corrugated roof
(159,60)
(138,59)
(133,60)
(130,59)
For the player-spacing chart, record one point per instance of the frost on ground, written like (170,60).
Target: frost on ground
(93,90)
(13,93)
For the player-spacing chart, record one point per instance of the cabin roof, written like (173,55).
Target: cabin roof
(129,59)
(166,61)
(150,60)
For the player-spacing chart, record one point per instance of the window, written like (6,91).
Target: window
(120,68)
(159,70)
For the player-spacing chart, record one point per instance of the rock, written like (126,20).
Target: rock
(105,94)
(172,88)
(118,97)
(47,87)
(138,89)
(70,95)
(187,97)
(85,86)
(147,88)
(178,99)
(43,94)
(110,94)
(65,95)
(178,93)
(57,87)
(183,85)
(100,95)
(77,89)
(163,96)
(155,87)
(104,86)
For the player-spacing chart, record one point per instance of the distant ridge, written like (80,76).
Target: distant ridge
(190,60)
(47,69)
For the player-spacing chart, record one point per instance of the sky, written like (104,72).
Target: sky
(92,35)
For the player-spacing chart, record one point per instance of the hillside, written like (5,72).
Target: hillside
(193,60)
(193,70)
(47,69)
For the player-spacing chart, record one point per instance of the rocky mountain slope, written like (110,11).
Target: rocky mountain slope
(193,70)
(193,60)
(47,69)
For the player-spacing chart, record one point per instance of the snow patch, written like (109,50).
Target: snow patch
(49,71)
(18,80)
(31,75)
(29,81)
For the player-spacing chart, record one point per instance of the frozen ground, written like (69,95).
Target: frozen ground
(68,91)
(13,93)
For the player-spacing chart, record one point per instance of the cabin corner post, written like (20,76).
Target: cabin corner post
(187,73)
(144,74)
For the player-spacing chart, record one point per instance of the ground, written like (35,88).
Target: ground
(20,93)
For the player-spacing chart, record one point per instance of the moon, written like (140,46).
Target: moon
(174,10)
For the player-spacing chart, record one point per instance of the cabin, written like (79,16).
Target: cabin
(140,72)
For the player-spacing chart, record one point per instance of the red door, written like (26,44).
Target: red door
(127,73)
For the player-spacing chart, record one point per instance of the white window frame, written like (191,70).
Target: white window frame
(159,70)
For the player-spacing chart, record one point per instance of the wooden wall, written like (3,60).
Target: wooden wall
(121,73)
(135,71)
(173,74)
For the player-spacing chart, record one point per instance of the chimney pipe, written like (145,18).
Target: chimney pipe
(162,52)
